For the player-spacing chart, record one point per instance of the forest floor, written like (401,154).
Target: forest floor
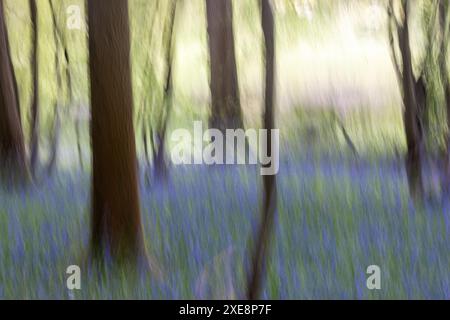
(335,218)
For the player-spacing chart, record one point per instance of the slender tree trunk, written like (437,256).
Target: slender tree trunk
(70,98)
(11,67)
(78,139)
(116,224)
(443,26)
(144,135)
(70,92)
(60,43)
(55,139)
(13,165)
(56,113)
(34,121)
(411,117)
(143,119)
(426,77)
(225,101)
(262,241)
(160,161)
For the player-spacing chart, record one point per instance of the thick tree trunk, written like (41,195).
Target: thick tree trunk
(259,255)
(13,166)
(34,119)
(116,225)
(411,116)
(225,101)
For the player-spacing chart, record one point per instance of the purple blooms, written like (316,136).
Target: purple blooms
(334,219)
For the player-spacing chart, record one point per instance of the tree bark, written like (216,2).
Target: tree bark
(34,119)
(161,169)
(56,126)
(142,118)
(225,101)
(259,255)
(411,116)
(116,224)
(59,38)
(443,26)
(13,165)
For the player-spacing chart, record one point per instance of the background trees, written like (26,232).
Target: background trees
(411,114)
(421,90)
(160,165)
(13,164)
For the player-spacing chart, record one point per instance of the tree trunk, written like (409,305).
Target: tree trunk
(160,168)
(443,26)
(116,224)
(78,139)
(259,255)
(55,140)
(13,166)
(144,136)
(61,43)
(34,120)
(225,101)
(54,137)
(411,117)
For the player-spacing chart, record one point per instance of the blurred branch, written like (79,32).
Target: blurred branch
(347,137)
(444,21)
(432,28)
(392,20)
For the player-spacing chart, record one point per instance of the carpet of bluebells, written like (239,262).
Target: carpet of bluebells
(335,218)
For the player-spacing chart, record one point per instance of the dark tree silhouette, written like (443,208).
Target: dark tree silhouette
(34,118)
(413,101)
(225,105)
(116,224)
(259,255)
(13,164)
